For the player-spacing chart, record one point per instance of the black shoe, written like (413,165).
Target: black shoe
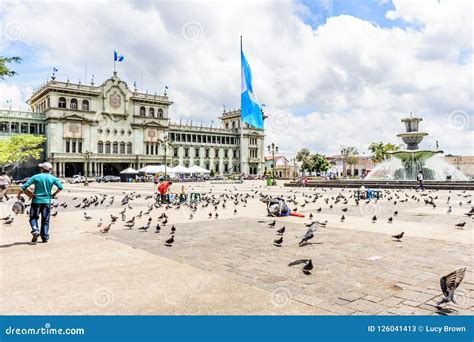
(44,240)
(35,237)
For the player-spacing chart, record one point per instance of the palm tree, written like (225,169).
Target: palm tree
(303,156)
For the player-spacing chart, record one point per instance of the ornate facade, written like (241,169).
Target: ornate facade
(101,130)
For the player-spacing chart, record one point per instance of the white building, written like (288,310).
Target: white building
(100,130)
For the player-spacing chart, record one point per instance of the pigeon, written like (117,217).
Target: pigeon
(210,215)
(164,222)
(131,220)
(310,216)
(145,227)
(278,242)
(450,210)
(398,236)
(390,220)
(308,267)
(272,224)
(235,211)
(216,216)
(100,223)
(158,228)
(281,231)
(87,217)
(55,213)
(106,229)
(173,229)
(343,218)
(395,213)
(130,225)
(170,241)
(460,225)
(113,218)
(449,284)
(9,221)
(374,219)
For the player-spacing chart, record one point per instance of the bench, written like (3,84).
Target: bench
(369,194)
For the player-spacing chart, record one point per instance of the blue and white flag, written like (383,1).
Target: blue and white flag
(249,109)
(117,57)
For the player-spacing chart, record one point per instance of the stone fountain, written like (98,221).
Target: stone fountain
(406,164)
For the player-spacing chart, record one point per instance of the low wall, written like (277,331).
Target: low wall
(448,185)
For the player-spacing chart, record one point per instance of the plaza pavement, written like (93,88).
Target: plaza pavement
(229,265)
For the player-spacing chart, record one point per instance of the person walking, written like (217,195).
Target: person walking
(41,202)
(419,178)
(5,182)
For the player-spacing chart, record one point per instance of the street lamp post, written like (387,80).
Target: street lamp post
(273,148)
(166,141)
(87,156)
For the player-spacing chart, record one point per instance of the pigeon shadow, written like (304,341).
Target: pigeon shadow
(444,311)
(17,244)
(310,243)
(168,245)
(276,245)
(307,272)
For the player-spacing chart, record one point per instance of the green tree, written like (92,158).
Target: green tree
(18,149)
(319,163)
(5,71)
(349,157)
(380,150)
(304,157)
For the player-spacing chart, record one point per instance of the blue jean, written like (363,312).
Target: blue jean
(36,210)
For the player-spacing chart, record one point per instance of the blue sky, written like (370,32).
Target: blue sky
(371,10)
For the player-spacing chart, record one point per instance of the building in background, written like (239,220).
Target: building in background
(284,168)
(102,129)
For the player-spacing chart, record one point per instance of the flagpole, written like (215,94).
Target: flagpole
(241,122)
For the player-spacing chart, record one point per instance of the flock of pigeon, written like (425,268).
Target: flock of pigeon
(213,202)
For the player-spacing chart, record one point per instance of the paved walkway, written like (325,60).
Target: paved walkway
(229,265)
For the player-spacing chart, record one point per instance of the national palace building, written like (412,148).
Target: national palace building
(102,129)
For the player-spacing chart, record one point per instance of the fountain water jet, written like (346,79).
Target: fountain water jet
(405,164)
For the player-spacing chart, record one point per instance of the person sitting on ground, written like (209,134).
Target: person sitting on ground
(163,189)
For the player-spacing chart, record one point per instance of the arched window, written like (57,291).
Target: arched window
(73,104)
(62,102)
(233,124)
(107,147)
(151,111)
(129,148)
(122,148)
(100,147)
(115,147)
(85,105)
(226,125)
(142,111)
(160,112)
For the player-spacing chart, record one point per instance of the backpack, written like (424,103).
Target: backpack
(277,207)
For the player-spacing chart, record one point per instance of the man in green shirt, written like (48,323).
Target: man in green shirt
(41,202)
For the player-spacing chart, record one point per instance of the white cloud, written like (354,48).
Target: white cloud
(349,82)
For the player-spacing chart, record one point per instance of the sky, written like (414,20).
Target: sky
(331,73)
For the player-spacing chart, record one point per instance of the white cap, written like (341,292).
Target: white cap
(46,166)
